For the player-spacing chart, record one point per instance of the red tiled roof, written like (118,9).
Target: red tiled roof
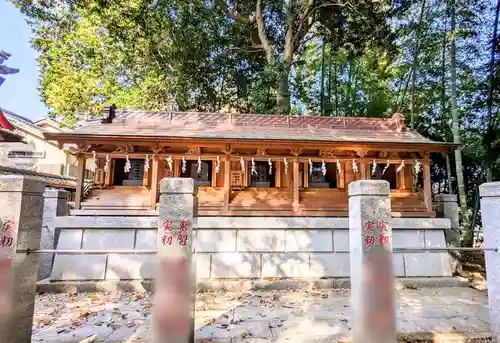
(7,131)
(138,123)
(4,123)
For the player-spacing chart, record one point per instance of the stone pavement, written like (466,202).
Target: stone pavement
(255,317)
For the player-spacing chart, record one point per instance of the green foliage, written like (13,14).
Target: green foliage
(211,56)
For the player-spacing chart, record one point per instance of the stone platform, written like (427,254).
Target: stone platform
(244,247)
(425,315)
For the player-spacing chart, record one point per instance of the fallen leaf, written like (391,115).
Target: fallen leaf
(89,339)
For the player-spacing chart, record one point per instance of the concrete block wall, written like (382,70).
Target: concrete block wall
(244,247)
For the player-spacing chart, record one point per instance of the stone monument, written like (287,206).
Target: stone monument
(21,201)
(490,210)
(175,283)
(372,278)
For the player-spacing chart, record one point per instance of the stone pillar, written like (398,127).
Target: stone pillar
(55,205)
(175,283)
(447,207)
(490,214)
(21,201)
(372,278)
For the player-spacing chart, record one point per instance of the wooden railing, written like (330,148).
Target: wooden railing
(87,187)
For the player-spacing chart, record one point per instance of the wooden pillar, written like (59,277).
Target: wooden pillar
(80,182)
(427,182)
(295,188)
(277,173)
(177,168)
(306,175)
(154,170)
(108,174)
(214,173)
(340,175)
(362,169)
(402,178)
(246,174)
(227,182)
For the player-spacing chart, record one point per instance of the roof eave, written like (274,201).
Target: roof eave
(66,137)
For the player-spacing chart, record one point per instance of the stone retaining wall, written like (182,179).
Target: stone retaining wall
(243,247)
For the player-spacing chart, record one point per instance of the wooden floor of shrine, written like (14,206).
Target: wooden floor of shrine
(250,201)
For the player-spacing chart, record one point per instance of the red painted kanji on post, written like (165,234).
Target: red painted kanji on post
(183,230)
(168,230)
(183,226)
(371,237)
(6,239)
(369,227)
(382,226)
(168,226)
(384,240)
(369,240)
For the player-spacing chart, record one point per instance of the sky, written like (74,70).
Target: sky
(19,92)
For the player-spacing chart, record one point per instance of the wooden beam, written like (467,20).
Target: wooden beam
(227,182)
(239,143)
(426,167)
(295,188)
(154,180)
(80,182)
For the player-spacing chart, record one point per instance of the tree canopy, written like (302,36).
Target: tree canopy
(436,61)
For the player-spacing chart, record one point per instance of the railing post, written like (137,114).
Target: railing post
(490,214)
(55,204)
(372,277)
(175,283)
(21,201)
(447,207)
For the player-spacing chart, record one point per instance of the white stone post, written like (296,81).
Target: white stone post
(372,278)
(490,214)
(447,207)
(175,283)
(55,205)
(21,201)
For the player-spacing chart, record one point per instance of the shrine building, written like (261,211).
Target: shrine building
(272,192)
(250,165)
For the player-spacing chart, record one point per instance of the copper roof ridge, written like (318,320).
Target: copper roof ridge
(231,114)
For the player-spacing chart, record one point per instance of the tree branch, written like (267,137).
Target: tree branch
(236,17)
(247,50)
(306,21)
(289,46)
(261,29)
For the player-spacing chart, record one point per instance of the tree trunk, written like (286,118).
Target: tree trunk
(329,97)
(490,156)
(469,237)
(443,105)
(415,66)
(322,88)
(347,89)
(283,96)
(336,90)
(354,91)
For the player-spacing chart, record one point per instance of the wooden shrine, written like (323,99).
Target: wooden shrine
(252,165)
